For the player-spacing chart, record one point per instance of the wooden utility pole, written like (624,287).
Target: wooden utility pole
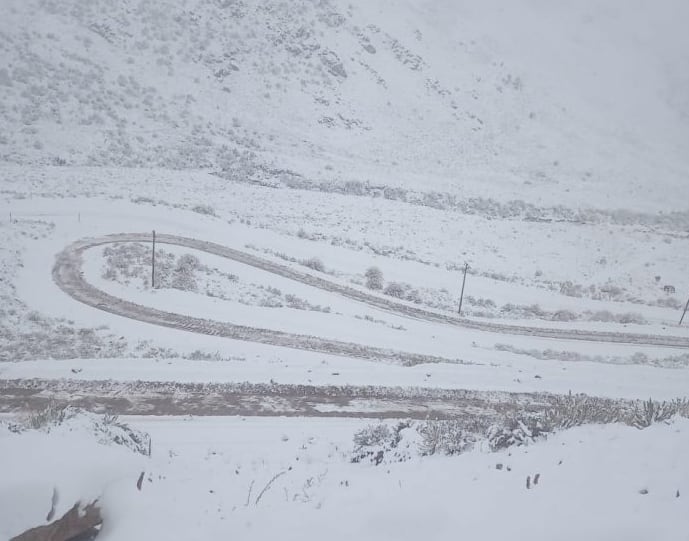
(684,313)
(464,281)
(153,262)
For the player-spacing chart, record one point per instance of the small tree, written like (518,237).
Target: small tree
(374,278)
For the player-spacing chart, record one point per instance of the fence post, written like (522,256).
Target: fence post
(684,313)
(153,262)
(464,281)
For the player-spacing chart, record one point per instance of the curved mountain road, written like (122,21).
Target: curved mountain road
(68,275)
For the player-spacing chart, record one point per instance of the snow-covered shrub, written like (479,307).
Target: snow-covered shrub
(395,194)
(141,199)
(648,412)
(378,443)
(314,263)
(571,289)
(446,437)
(578,409)
(523,311)
(625,318)
(435,200)
(35,317)
(300,304)
(514,431)
(611,292)
(675,361)
(639,358)
(564,315)
(381,443)
(269,302)
(107,429)
(561,413)
(602,315)
(395,289)
(607,316)
(631,317)
(295,302)
(669,302)
(414,296)
(354,187)
(483,303)
(51,338)
(374,278)
(51,415)
(184,274)
(373,435)
(125,261)
(372,443)
(204,209)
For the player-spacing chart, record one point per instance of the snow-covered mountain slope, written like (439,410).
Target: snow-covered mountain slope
(470,212)
(576,103)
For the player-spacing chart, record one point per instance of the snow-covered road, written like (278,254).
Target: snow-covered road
(246,399)
(68,275)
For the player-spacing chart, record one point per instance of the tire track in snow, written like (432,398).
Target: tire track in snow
(68,276)
(256,399)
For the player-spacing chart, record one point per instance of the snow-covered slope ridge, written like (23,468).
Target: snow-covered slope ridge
(530,96)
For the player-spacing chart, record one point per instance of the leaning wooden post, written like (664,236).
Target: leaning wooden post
(684,313)
(464,281)
(153,262)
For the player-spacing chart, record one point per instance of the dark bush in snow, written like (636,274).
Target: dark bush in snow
(204,209)
(631,317)
(374,278)
(395,289)
(314,263)
(184,275)
(602,315)
(564,315)
(373,435)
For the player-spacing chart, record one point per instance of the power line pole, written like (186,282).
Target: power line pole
(153,262)
(684,313)
(464,281)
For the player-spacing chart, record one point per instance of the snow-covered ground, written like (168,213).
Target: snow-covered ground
(212,467)
(491,361)
(71,341)
(543,145)
(294,479)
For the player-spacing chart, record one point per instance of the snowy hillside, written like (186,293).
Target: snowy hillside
(344,269)
(459,97)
